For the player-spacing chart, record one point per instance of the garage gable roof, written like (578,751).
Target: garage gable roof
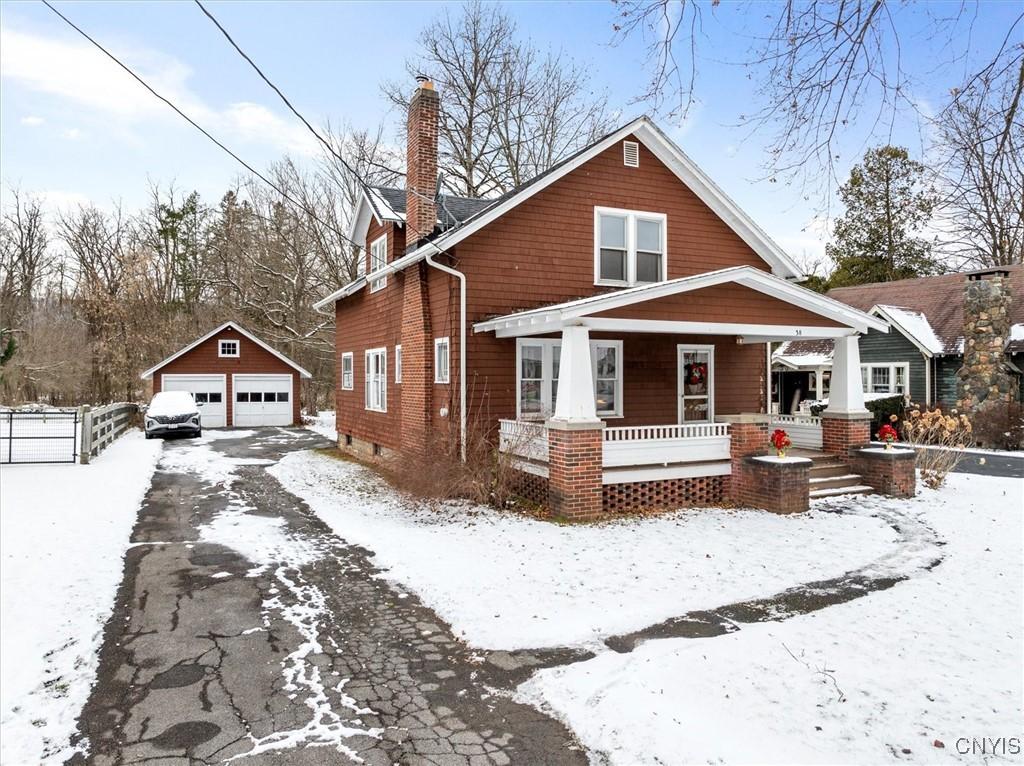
(241,330)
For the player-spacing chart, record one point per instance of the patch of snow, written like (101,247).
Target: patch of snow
(574,584)
(210,466)
(916,325)
(172,403)
(895,451)
(787,460)
(216,434)
(878,679)
(1017,332)
(65,529)
(324,424)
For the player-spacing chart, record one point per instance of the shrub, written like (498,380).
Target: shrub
(999,425)
(950,432)
(881,410)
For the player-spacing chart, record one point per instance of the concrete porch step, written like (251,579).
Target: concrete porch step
(856,489)
(833,482)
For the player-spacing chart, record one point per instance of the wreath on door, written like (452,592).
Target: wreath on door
(696,374)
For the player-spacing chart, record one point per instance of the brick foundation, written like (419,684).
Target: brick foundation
(890,473)
(574,470)
(777,487)
(666,495)
(841,434)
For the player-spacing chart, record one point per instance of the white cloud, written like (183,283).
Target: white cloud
(32,121)
(71,134)
(79,74)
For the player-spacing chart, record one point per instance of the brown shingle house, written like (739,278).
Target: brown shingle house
(609,318)
(236,379)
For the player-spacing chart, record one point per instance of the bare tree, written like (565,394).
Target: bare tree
(508,111)
(981,137)
(818,67)
(25,258)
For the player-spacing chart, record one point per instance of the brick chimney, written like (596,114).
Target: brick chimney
(984,378)
(421,163)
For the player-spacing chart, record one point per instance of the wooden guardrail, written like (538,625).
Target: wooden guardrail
(101,426)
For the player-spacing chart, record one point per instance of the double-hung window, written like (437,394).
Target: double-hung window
(885,378)
(378,260)
(347,372)
(629,247)
(537,365)
(377,379)
(442,360)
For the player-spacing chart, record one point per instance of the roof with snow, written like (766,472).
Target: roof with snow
(928,310)
(389,204)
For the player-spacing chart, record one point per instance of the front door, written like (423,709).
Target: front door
(696,371)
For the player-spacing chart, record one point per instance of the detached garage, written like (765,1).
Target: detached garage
(236,379)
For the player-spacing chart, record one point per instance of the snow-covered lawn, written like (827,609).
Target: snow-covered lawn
(510,582)
(63,532)
(881,678)
(323,424)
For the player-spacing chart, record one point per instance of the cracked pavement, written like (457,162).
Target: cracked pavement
(210,657)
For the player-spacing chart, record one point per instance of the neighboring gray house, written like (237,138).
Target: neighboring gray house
(924,350)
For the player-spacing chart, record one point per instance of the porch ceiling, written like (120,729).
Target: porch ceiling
(775,310)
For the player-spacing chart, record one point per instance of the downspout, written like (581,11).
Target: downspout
(429,258)
(927,381)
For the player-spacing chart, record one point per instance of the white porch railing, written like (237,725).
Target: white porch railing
(664,445)
(804,430)
(523,438)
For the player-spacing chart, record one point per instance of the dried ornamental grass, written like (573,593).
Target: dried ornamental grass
(952,431)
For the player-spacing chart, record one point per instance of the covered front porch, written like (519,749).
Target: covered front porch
(655,392)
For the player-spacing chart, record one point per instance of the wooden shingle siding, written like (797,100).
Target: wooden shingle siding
(252,359)
(894,347)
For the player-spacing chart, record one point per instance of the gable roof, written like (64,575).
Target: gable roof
(747,276)
(663,148)
(929,311)
(242,331)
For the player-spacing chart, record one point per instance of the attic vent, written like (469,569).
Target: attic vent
(631,154)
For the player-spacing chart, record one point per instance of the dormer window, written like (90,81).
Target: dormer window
(228,348)
(629,247)
(378,260)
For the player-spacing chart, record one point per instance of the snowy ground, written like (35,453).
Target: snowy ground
(323,424)
(882,678)
(574,585)
(64,530)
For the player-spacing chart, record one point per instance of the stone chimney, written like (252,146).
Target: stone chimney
(984,378)
(421,163)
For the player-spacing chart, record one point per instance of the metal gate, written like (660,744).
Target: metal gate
(48,436)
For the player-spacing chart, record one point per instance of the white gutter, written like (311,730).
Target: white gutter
(429,258)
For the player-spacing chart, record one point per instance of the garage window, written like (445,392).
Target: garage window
(346,371)
(229,348)
(242,396)
(377,379)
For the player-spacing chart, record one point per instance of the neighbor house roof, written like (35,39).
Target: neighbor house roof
(928,310)
(662,147)
(242,331)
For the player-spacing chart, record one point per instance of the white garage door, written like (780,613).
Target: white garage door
(263,400)
(209,393)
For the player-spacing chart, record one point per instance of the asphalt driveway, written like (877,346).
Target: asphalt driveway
(208,658)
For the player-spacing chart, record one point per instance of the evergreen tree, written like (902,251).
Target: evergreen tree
(878,239)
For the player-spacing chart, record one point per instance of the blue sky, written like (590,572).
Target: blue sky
(75,129)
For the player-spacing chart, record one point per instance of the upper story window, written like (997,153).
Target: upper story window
(629,247)
(228,348)
(378,260)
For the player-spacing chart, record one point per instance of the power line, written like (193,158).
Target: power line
(362,183)
(199,127)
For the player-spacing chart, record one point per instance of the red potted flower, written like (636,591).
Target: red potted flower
(781,441)
(888,435)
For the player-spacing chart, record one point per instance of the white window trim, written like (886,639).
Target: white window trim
(438,343)
(398,363)
(349,357)
(383,352)
(380,282)
(547,383)
(631,216)
(680,391)
(892,367)
(220,348)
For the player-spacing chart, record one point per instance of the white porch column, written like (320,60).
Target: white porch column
(818,387)
(575,402)
(846,393)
